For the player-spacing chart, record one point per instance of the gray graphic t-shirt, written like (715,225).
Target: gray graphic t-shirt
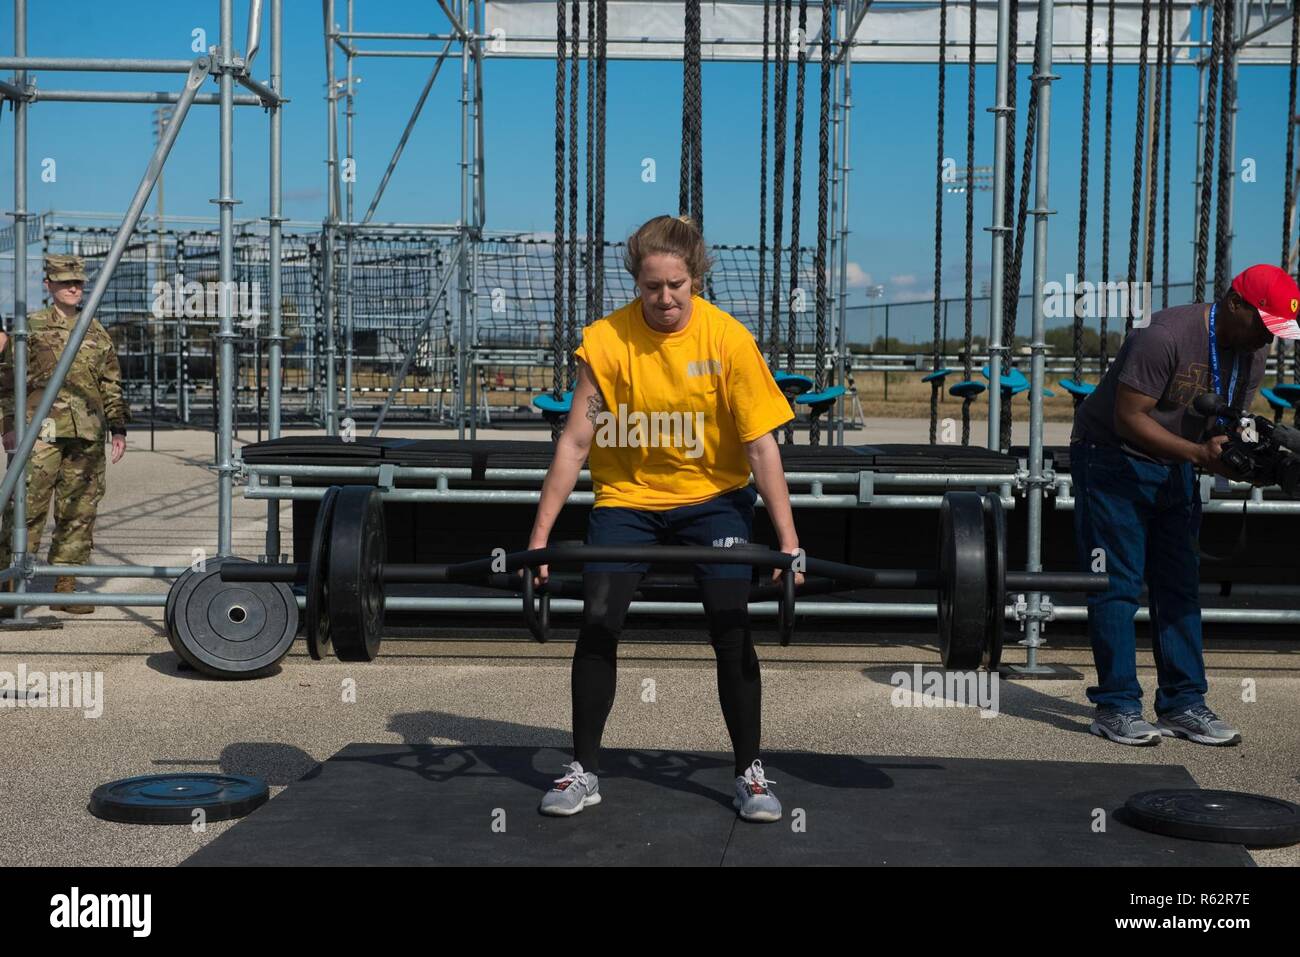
(1169,361)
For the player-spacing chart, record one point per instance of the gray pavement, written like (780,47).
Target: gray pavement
(492,688)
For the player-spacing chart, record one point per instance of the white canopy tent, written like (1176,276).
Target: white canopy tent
(891,31)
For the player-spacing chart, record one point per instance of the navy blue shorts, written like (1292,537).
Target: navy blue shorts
(723,522)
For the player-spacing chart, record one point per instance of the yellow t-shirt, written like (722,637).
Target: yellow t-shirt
(679,407)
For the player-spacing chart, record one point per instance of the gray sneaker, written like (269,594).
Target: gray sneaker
(576,790)
(1125,727)
(1198,723)
(754,798)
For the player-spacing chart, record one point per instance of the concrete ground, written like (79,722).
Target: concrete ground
(492,688)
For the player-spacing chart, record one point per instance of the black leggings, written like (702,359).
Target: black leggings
(595,662)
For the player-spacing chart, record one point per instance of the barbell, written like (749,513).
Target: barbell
(243,623)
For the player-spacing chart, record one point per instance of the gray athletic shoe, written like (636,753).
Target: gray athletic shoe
(1125,727)
(754,798)
(1198,724)
(576,790)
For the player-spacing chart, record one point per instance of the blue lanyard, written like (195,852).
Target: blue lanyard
(1217,380)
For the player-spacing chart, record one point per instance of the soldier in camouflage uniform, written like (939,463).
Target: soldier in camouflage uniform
(67,461)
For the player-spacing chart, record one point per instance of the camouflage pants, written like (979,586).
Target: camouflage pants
(71,471)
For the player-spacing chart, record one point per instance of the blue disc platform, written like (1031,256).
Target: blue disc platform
(398,804)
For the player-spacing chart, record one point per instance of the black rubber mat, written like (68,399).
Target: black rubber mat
(397,804)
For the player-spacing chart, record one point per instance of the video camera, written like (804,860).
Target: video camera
(1260,452)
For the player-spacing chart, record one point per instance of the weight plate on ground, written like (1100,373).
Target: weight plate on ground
(173,798)
(358,547)
(1228,817)
(180,587)
(170,608)
(232,629)
(995,551)
(177,584)
(317,611)
(963,585)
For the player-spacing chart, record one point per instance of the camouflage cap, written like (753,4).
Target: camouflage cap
(65,268)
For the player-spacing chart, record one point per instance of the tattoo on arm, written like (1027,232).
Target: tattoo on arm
(595,405)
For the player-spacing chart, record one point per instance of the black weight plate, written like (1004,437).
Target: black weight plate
(180,588)
(318,619)
(173,798)
(358,547)
(963,585)
(167,609)
(232,629)
(172,592)
(1228,817)
(995,553)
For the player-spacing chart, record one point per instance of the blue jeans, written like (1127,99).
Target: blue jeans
(1146,519)
(723,521)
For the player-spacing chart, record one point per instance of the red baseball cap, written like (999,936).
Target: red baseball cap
(1274,293)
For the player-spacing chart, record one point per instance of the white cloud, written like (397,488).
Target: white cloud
(907,279)
(856,278)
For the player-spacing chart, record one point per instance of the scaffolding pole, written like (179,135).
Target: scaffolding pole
(463,260)
(226,273)
(846,111)
(18,554)
(1037,345)
(331,224)
(1000,230)
(275,220)
(350,180)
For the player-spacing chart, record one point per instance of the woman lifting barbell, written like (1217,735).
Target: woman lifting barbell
(673,408)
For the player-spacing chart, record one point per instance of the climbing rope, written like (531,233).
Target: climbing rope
(936,383)
(558,344)
(1207,155)
(823,203)
(1140,126)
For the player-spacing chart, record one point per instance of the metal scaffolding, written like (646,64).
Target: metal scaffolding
(883,31)
(227,69)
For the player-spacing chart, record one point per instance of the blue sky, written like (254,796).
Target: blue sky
(100,149)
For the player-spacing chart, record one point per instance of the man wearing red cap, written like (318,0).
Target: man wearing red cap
(1136,443)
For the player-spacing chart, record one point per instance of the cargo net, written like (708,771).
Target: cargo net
(515,313)
(161,307)
(396,322)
